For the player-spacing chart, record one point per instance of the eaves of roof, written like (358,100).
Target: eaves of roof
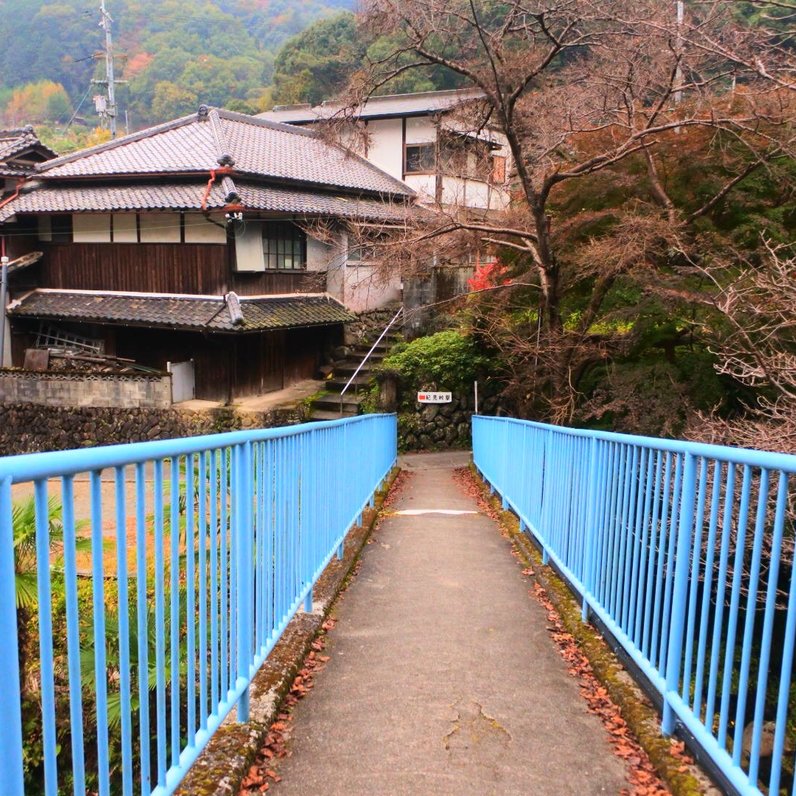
(80,197)
(14,170)
(392,106)
(181,312)
(228,180)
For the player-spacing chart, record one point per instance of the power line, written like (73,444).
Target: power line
(77,109)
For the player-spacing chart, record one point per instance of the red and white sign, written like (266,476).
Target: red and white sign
(434,397)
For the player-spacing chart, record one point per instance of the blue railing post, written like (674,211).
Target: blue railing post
(306,530)
(547,499)
(244,486)
(681,569)
(591,528)
(11,724)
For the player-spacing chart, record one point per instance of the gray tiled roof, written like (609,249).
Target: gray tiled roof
(195,144)
(268,199)
(7,170)
(191,313)
(18,141)
(415,104)
(77,197)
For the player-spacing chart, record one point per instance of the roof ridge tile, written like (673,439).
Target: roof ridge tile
(219,138)
(256,121)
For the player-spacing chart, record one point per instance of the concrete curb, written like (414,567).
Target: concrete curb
(636,707)
(226,759)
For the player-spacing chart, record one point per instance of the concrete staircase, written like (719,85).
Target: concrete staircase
(327,406)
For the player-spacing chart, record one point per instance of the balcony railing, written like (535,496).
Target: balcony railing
(165,572)
(685,552)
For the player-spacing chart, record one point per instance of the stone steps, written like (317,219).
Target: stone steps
(331,401)
(336,383)
(327,406)
(320,415)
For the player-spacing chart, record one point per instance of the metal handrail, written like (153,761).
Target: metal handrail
(232,532)
(367,356)
(679,549)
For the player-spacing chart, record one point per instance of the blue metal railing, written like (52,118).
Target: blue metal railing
(685,552)
(202,549)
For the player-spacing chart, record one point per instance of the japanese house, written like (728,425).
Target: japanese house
(442,144)
(438,142)
(214,245)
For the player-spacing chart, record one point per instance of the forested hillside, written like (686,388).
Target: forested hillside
(173,55)
(318,63)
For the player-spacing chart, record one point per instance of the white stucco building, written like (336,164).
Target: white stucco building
(434,142)
(426,139)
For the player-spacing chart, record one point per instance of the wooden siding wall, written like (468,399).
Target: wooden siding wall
(271,361)
(137,267)
(156,347)
(226,366)
(232,366)
(164,268)
(259,361)
(274,282)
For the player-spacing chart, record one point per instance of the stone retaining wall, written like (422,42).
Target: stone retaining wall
(31,428)
(440,426)
(369,325)
(85,389)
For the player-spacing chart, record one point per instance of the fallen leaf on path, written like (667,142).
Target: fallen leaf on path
(641,773)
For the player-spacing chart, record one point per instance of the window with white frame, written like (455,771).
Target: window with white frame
(365,251)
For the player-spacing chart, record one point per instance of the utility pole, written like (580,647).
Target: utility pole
(106,105)
(3,300)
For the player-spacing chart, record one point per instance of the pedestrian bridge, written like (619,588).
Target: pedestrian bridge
(174,567)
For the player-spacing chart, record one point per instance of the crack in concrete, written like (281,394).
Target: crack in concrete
(475,727)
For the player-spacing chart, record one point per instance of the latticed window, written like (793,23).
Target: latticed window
(284,246)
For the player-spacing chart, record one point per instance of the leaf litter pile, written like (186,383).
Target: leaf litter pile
(397,488)
(641,773)
(263,773)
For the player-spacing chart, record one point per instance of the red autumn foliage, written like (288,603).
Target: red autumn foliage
(488,275)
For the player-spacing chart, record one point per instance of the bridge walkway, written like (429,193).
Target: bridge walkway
(442,677)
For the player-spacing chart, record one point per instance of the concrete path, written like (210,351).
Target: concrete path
(442,678)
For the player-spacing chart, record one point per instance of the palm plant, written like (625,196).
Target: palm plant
(112,660)
(23,518)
